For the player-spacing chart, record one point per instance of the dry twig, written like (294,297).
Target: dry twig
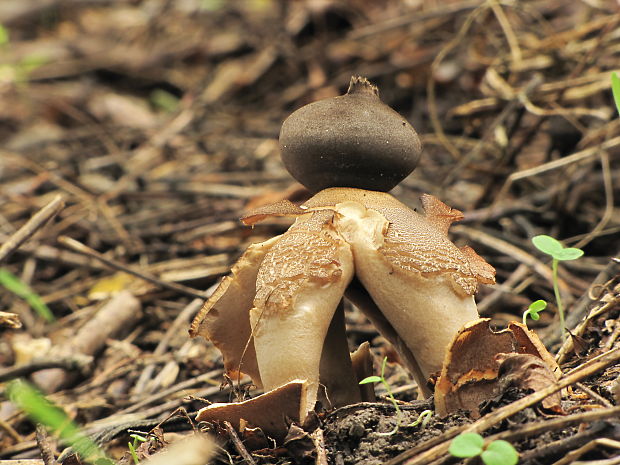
(32,226)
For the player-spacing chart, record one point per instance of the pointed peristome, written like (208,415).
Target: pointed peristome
(359,85)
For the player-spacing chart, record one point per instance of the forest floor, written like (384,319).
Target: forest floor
(142,130)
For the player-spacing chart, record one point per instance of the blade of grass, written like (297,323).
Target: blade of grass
(40,410)
(22,290)
(615,89)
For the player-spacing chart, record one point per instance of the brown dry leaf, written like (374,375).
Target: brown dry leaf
(580,345)
(470,370)
(527,371)
(299,444)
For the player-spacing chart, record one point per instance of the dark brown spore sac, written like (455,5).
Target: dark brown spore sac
(354,140)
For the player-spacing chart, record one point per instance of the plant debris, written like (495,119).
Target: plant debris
(134,135)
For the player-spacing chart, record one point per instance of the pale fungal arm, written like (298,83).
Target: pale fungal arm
(420,281)
(299,285)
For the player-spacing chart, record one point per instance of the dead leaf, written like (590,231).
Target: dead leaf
(580,345)
(299,444)
(470,370)
(527,372)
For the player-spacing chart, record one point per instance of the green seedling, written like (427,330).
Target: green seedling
(18,73)
(381,379)
(533,310)
(558,253)
(164,100)
(22,290)
(422,420)
(4,36)
(498,452)
(615,89)
(212,5)
(133,446)
(40,410)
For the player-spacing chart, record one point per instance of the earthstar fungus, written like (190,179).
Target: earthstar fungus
(278,317)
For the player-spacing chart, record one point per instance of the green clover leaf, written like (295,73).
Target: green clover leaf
(569,253)
(547,244)
(466,445)
(500,453)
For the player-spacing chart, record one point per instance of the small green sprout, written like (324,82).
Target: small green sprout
(422,420)
(133,446)
(381,379)
(17,73)
(40,410)
(533,310)
(558,252)
(615,89)
(164,100)
(22,290)
(498,452)
(4,35)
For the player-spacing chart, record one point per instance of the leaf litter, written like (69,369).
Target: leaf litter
(519,132)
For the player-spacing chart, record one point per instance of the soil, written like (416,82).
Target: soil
(364,434)
(141,131)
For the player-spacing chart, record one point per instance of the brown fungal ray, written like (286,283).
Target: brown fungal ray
(412,241)
(362,362)
(224,318)
(470,369)
(529,343)
(484,272)
(299,285)
(438,213)
(272,411)
(339,384)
